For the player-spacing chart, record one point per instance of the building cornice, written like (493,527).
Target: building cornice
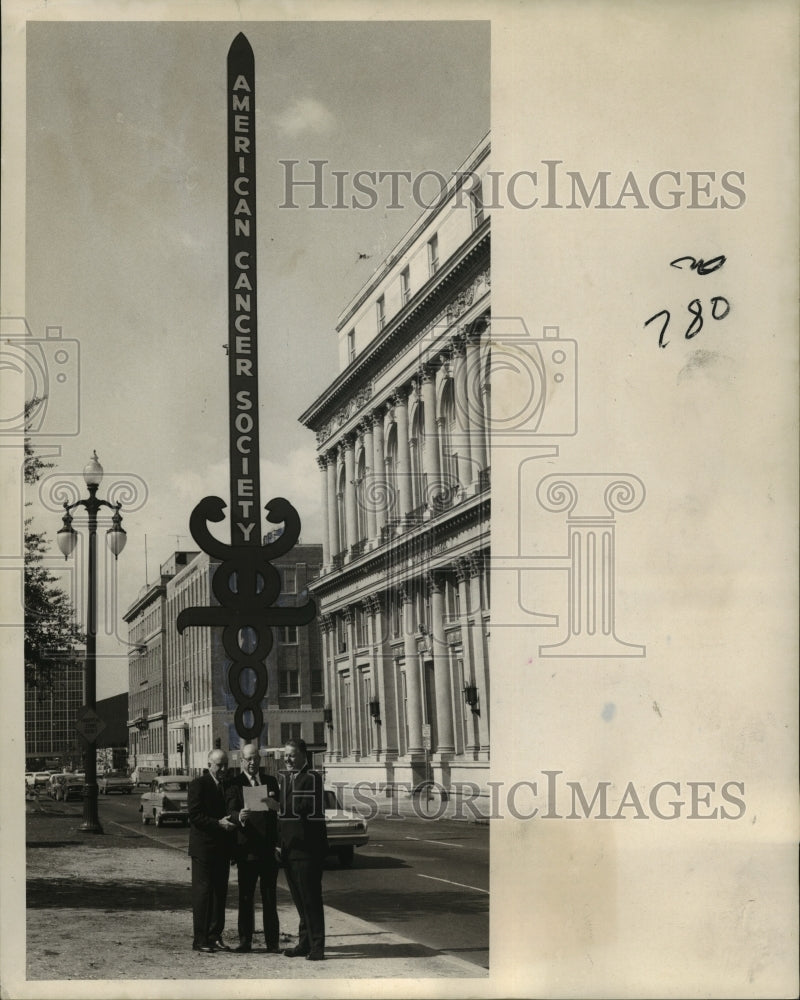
(402,327)
(427,220)
(143,600)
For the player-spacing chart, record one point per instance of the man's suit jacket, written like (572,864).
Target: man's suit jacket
(207,839)
(302,816)
(258,838)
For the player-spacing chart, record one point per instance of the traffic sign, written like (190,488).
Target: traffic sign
(89,724)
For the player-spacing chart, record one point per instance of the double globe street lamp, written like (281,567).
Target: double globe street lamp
(67,539)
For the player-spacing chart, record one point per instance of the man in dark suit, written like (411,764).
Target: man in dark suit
(254,851)
(210,844)
(304,844)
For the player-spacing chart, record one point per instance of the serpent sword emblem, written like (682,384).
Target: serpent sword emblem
(245,583)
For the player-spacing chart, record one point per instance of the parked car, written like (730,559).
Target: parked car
(70,787)
(53,784)
(345,827)
(29,779)
(115,782)
(40,778)
(166,798)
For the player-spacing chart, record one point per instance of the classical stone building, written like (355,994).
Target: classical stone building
(403,453)
(146,618)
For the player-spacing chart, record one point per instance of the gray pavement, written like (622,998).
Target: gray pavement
(118,907)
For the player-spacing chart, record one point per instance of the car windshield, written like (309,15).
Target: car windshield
(173,786)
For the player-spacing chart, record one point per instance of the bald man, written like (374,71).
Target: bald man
(210,846)
(256,840)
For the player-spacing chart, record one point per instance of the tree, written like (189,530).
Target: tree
(51,629)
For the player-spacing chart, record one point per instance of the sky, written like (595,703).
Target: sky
(126,242)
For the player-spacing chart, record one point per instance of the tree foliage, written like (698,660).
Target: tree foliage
(51,629)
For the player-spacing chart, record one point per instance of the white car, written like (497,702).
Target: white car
(167,798)
(346,829)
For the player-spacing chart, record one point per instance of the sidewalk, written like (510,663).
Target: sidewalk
(131,899)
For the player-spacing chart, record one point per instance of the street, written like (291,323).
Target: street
(409,879)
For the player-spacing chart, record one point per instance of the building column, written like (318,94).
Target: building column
(430,454)
(329,661)
(358,739)
(486,403)
(403,452)
(475,416)
(375,689)
(322,462)
(413,686)
(462,576)
(367,489)
(338,713)
(441,668)
(332,508)
(378,478)
(481,665)
(350,513)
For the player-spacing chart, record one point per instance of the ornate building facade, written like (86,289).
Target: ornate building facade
(403,453)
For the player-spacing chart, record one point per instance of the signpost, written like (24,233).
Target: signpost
(89,724)
(245,584)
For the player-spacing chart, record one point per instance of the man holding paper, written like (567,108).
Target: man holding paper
(252,799)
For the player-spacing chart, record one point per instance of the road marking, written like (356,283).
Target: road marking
(442,843)
(460,884)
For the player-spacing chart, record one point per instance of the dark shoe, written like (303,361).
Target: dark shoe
(220,945)
(204,948)
(245,946)
(273,949)
(315,956)
(295,952)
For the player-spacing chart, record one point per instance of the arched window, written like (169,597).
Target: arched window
(361,500)
(392,486)
(417,442)
(448,460)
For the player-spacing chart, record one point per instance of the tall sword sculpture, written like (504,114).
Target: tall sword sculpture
(245,583)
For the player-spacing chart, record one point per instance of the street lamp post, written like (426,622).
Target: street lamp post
(67,538)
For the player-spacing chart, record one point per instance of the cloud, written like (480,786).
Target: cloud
(305,114)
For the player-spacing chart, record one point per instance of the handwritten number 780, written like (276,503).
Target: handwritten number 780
(720,307)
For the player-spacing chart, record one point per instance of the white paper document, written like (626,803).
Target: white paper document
(258,799)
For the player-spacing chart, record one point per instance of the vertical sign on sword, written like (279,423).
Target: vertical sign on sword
(245,583)
(242,297)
